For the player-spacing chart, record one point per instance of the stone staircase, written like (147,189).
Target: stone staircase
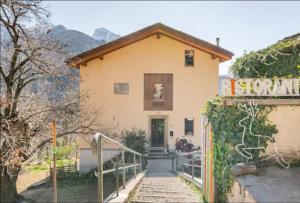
(158,153)
(159,187)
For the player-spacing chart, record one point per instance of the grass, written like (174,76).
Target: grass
(75,179)
(46,165)
(195,188)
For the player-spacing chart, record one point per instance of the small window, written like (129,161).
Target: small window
(189,126)
(121,88)
(189,57)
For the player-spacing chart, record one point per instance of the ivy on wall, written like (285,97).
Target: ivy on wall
(227,133)
(281,59)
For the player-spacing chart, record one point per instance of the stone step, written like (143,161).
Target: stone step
(158,148)
(162,156)
(157,154)
(167,199)
(141,201)
(158,191)
(163,187)
(152,184)
(163,196)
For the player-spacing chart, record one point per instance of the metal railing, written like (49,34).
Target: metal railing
(116,169)
(194,162)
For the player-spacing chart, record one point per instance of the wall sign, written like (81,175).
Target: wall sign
(121,88)
(158,91)
(260,87)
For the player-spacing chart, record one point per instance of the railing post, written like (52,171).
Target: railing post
(172,163)
(182,165)
(193,166)
(177,162)
(134,161)
(123,164)
(141,163)
(100,170)
(117,179)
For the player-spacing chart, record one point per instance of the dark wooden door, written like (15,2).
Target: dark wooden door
(157,132)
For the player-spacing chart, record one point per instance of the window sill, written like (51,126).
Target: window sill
(189,134)
(158,100)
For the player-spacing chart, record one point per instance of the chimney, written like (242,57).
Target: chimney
(218,41)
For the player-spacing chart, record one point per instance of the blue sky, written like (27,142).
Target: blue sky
(240,25)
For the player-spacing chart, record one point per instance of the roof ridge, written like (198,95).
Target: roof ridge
(144,33)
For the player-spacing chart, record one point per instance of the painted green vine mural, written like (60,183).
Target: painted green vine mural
(227,133)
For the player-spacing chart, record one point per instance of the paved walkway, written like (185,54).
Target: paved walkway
(161,185)
(273,185)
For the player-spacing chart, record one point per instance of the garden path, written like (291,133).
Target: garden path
(162,185)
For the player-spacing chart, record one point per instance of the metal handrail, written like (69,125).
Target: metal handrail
(189,153)
(120,168)
(101,172)
(193,165)
(197,166)
(119,144)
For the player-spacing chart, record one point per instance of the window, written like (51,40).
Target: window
(121,88)
(158,92)
(189,126)
(189,57)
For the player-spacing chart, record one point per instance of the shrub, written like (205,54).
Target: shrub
(134,139)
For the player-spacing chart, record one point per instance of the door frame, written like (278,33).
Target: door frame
(166,130)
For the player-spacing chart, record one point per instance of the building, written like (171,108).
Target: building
(156,79)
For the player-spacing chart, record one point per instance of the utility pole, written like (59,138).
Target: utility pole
(54,161)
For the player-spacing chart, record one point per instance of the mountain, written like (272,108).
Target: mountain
(104,35)
(75,41)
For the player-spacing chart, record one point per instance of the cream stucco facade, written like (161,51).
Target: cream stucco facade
(192,86)
(287,121)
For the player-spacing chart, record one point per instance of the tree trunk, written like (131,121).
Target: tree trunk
(8,187)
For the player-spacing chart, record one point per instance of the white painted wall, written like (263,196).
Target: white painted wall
(88,161)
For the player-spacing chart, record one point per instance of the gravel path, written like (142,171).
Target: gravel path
(27,179)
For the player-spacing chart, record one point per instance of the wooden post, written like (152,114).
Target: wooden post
(54,162)
(232,87)
(134,161)
(211,179)
(76,158)
(123,164)
(100,170)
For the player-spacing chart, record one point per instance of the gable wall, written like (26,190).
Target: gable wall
(192,86)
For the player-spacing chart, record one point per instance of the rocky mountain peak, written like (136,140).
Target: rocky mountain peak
(104,35)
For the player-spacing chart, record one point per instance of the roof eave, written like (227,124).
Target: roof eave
(100,51)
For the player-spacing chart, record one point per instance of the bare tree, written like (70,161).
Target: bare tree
(30,61)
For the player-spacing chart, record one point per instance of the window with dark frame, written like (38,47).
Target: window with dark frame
(189,57)
(189,126)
